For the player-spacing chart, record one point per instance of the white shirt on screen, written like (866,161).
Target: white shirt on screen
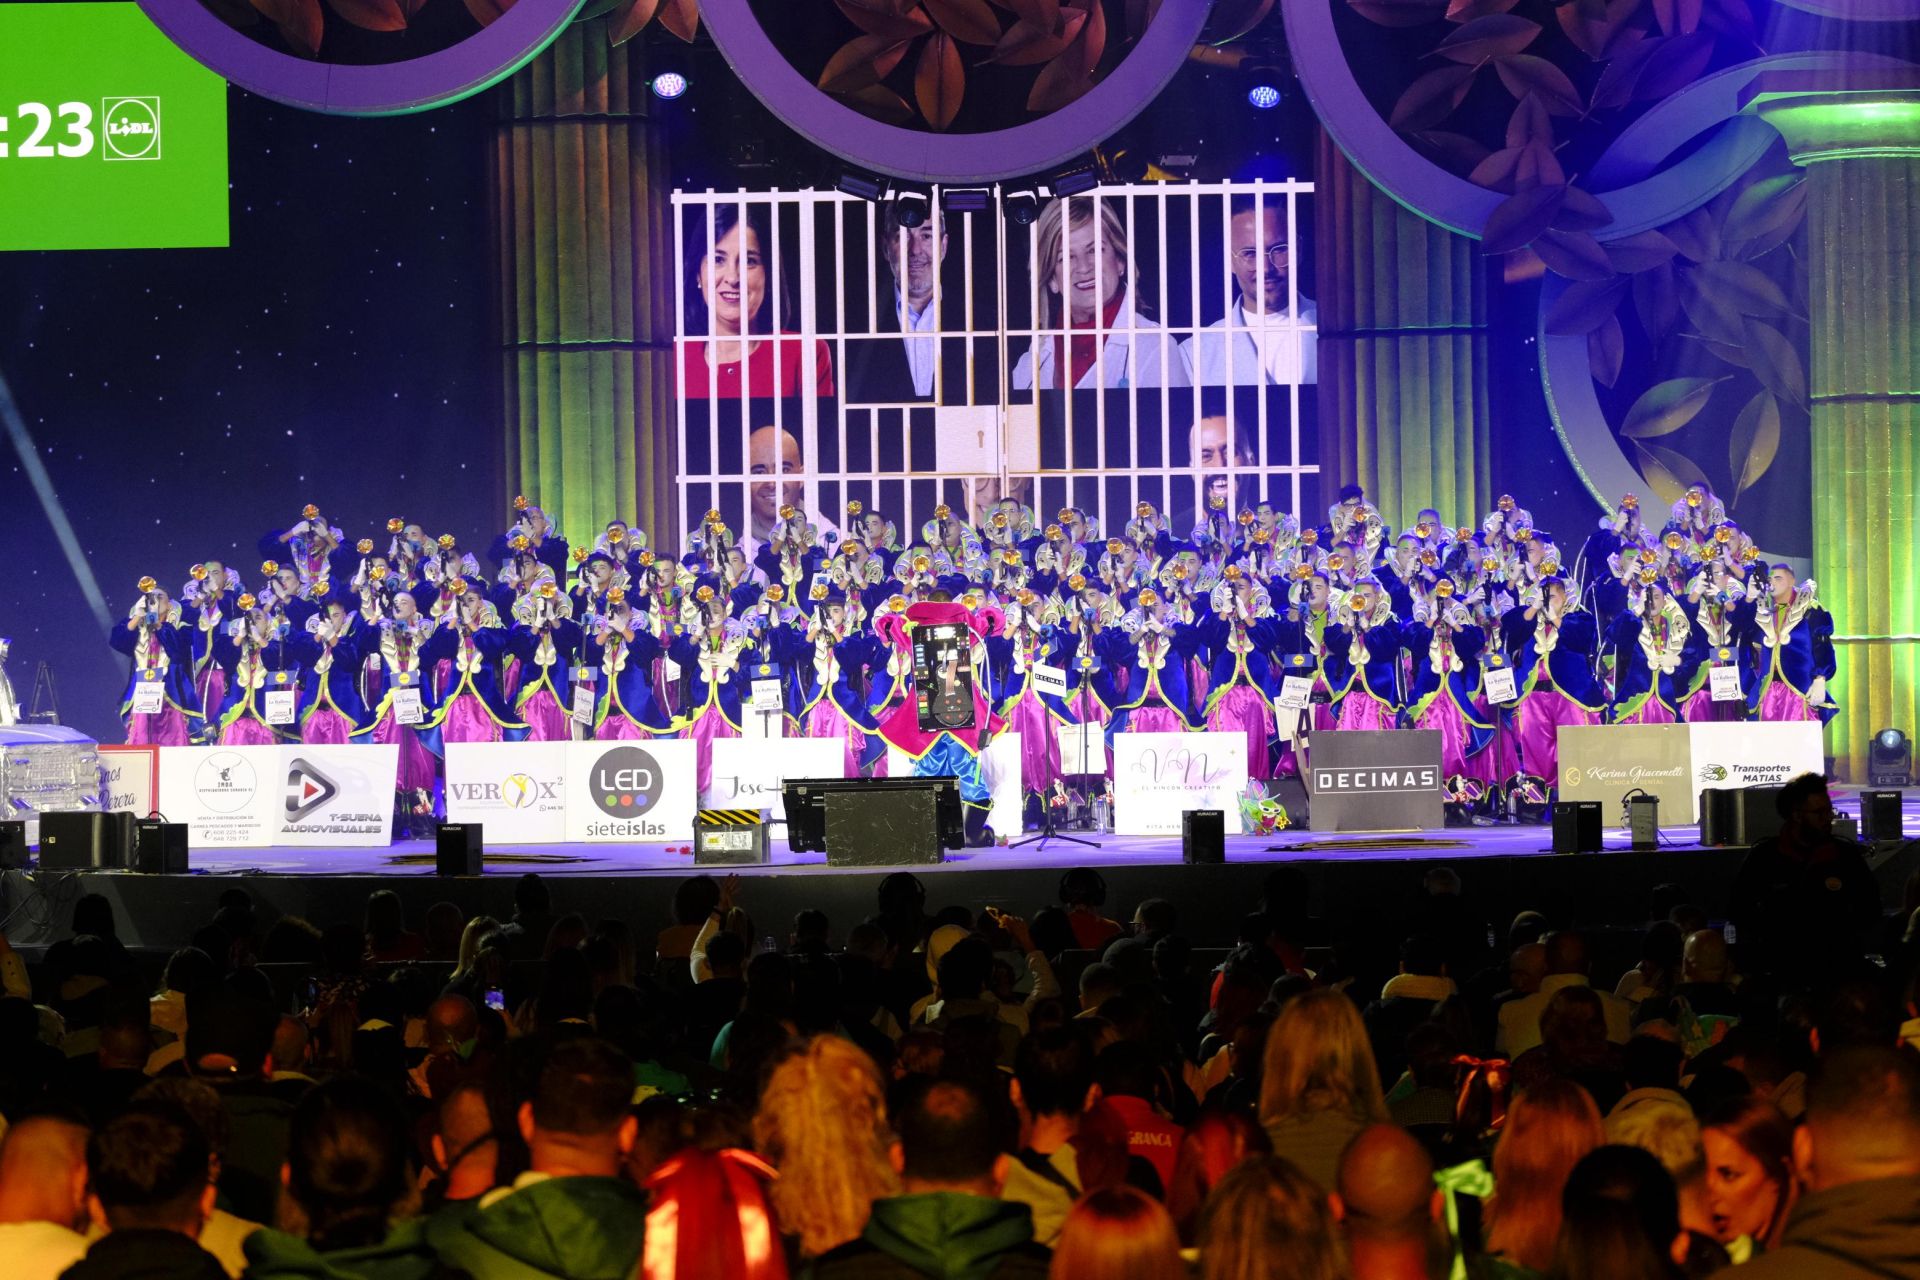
(922,353)
(1273,349)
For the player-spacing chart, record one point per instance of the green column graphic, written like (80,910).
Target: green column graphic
(1404,404)
(1858,136)
(584,288)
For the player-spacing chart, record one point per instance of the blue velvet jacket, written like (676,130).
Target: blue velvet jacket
(1569,663)
(628,690)
(1461,649)
(162,652)
(547,659)
(1378,676)
(328,677)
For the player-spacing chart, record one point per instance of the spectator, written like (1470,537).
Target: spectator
(812,933)
(465,1149)
(1546,1134)
(147,1181)
(1413,996)
(1319,1086)
(1749,1181)
(224,1235)
(717,1202)
(1083,891)
(1428,1112)
(389,941)
(43,1196)
(291,1051)
(949,1220)
(1857,1156)
(1804,901)
(230,1047)
(350,1181)
(1133,1088)
(532,920)
(1118,1233)
(1574,1046)
(453,1035)
(1214,1144)
(445,924)
(1659,966)
(1052,1088)
(694,899)
(1153,920)
(189,972)
(100,1083)
(571,1214)
(1390,1213)
(1268,1221)
(478,930)
(822,1122)
(1568,965)
(1621,1221)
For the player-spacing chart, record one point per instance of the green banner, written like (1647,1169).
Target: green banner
(110,136)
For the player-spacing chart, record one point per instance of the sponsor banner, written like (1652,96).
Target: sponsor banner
(1605,762)
(516,791)
(749,773)
(1736,754)
(631,791)
(1157,777)
(1377,780)
(130,778)
(294,794)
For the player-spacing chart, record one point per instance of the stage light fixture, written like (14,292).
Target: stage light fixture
(1073,182)
(1890,759)
(669,85)
(1262,95)
(911,206)
(966,199)
(864,185)
(1022,206)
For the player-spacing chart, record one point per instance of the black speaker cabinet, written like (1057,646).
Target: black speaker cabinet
(160,848)
(1716,816)
(882,827)
(1881,816)
(1576,826)
(1744,815)
(458,849)
(13,844)
(1203,836)
(84,841)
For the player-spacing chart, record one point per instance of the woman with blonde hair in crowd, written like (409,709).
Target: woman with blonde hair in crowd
(822,1123)
(1548,1130)
(1086,281)
(1118,1233)
(1318,1083)
(1268,1221)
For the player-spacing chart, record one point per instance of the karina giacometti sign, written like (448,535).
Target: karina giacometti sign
(110,137)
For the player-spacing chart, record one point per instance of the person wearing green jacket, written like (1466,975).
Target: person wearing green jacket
(350,1181)
(949,1223)
(570,1216)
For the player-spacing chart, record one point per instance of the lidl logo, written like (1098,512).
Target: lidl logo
(132,128)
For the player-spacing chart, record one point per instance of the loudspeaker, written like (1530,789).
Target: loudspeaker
(1881,815)
(882,827)
(458,849)
(1716,816)
(84,841)
(1576,826)
(1746,815)
(160,848)
(1203,836)
(13,844)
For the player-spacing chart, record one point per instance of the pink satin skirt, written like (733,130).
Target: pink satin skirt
(467,721)
(703,731)
(1702,709)
(166,727)
(825,720)
(545,718)
(417,765)
(325,726)
(247,732)
(1244,709)
(1039,746)
(1538,720)
(1359,711)
(1781,704)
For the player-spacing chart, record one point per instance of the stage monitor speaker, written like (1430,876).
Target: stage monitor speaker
(1576,826)
(1203,836)
(84,840)
(13,844)
(1882,816)
(160,847)
(806,807)
(459,849)
(1716,816)
(884,828)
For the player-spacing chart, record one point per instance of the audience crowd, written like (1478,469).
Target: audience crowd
(933,1091)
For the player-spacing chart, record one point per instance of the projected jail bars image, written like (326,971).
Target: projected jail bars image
(1146,344)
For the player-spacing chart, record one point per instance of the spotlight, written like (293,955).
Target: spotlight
(966,199)
(1262,95)
(1890,759)
(854,183)
(911,206)
(1075,182)
(1022,206)
(669,85)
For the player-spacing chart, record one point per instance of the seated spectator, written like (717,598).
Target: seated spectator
(1659,967)
(1268,1221)
(1428,1110)
(1546,1134)
(811,933)
(1858,1159)
(1083,891)
(1621,1221)
(351,1183)
(1214,1144)
(147,1181)
(230,1047)
(1575,1047)
(694,899)
(1099,983)
(949,1220)
(1568,965)
(526,931)
(961,992)
(571,1214)
(822,1122)
(43,1196)
(453,1034)
(100,1083)
(444,927)
(1153,920)
(712,1209)
(1135,1089)
(292,1054)
(389,941)
(1390,1213)
(224,1235)
(465,1149)
(1118,1232)
(1052,1088)
(1318,1085)
(1749,1180)
(189,973)
(1411,997)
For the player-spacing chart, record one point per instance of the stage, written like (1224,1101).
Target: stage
(1505,868)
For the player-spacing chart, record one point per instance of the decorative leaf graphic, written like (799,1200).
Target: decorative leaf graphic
(1667,406)
(1754,443)
(630,19)
(1607,352)
(1585,307)
(1577,256)
(1642,251)
(1524,73)
(1431,98)
(1399,13)
(371,15)
(862,61)
(1518,219)
(682,18)
(1776,362)
(1493,36)
(1741,288)
(880,20)
(940,80)
(968,20)
(1656,300)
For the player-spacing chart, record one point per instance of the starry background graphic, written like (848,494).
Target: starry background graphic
(186,402)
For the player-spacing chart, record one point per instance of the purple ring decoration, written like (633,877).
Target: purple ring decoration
(914,154)
(417,84)
(1860,10)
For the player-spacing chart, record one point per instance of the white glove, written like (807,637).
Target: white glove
(1817,692)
